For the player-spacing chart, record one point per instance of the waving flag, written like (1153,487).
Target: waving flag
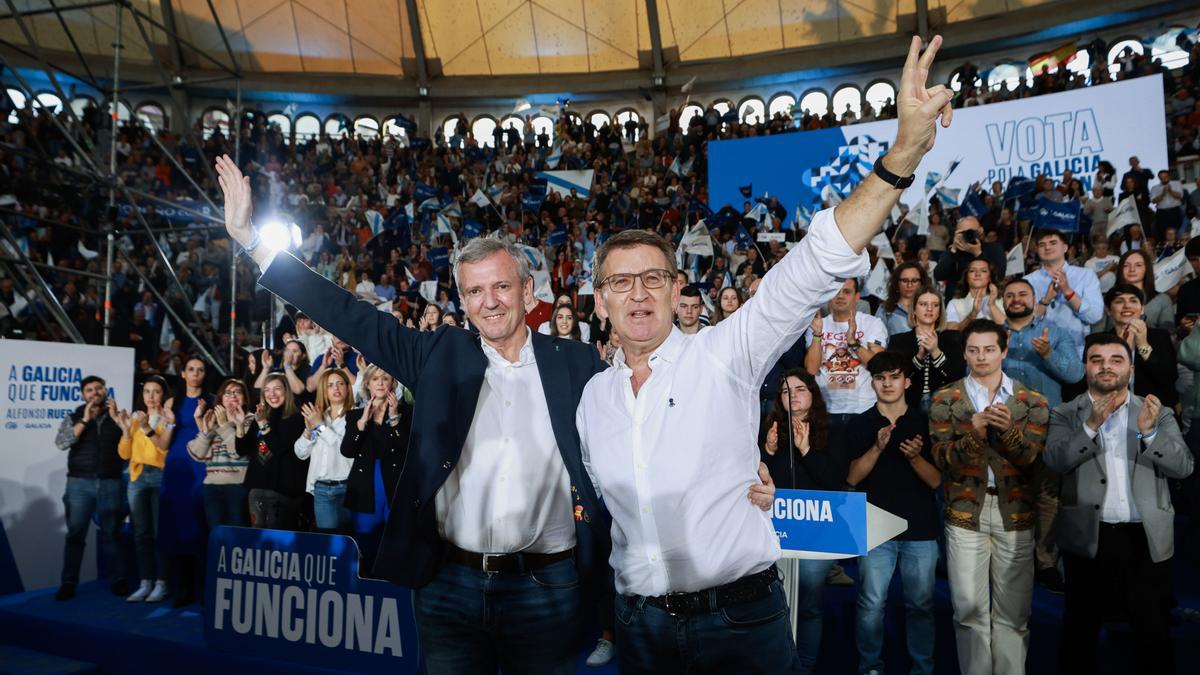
(973,205)
(743,237)
(1124,215)
(877,281)
(563,181)
(540,272)
(1062,216)
(697,241)
(557,238)
(1014,262)
(471,228)
(480,199)
(747,190)
(423,192)
(1018,186)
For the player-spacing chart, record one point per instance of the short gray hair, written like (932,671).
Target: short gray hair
(483,247)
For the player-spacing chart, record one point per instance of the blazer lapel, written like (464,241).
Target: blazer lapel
(1132,443)
(554,372)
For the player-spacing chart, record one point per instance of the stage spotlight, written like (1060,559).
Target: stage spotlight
(278,236)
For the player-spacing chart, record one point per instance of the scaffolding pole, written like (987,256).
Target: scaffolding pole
(112,170)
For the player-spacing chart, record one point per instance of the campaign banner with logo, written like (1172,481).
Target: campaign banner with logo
(41,387)
(1044,135)
(825,522)
(181,215)
(297,597)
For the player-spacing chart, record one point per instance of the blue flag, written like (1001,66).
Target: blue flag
(1061,216)
(423,192)
(973,205)
(471,228)
(531,202)
(397,218)
(747,190)
(439,257)
(1018,186)
(695,204)
(557,238)
(409,126)
(743,237)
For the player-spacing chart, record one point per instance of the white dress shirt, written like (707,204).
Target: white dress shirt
(979,398)
(675,462)
(510,490)
(324,453)
(1118,505)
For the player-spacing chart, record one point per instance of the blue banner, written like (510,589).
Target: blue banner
(439,257)
(1061,216)
(828,522)
(471,228)
(972,206)
(423,192)
(175,215)
(557,238)
(297,597)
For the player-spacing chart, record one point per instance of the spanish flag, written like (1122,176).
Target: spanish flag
(1059,56)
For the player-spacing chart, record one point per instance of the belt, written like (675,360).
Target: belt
(517,563)
(991,490)
(329,482)
(747,589)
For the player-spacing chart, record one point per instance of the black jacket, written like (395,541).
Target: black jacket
(387,444)
(444,369)
(273,461)
(951,265)
(94,453)
(953,367)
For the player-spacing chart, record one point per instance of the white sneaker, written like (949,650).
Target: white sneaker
(140,594)
(159,592)
(602,654)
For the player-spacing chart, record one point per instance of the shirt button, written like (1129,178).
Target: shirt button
(508,404)
(654,557)
(645,509)
(446,464)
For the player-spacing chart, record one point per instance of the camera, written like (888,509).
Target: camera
(970,236)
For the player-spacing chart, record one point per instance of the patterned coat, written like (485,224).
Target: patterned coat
(1014,456)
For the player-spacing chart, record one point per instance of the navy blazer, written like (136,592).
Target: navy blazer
(444,369)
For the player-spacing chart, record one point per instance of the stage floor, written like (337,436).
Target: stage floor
(119,637)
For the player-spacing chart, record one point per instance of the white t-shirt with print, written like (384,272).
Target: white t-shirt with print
(844,380)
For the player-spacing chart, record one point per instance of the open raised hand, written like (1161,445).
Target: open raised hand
(238,201)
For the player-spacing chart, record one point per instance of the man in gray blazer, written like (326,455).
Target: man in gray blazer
(1115,452)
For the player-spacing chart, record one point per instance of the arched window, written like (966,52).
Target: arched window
(686,115)
(1118,50)
(815,102)
(722,105)
(50,101)
(123,114)
(214,120)
(308,126)
(599,119)
(18,100)
(1081,64)
(880,94)
(513,122)
(366,127)
(542,124)
(153,115)
(393,130)
(781,103)
(623,118)
(337,125)
(80,104)
(576,120)
(956,82)
(752,111)
(1007,74)
(284,123)
(482,128)
(847,97)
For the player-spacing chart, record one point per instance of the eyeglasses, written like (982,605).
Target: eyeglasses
(651,279)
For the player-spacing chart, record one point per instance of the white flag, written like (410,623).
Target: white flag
(919,216)
(877,281)
(687,86)
(883,246)
(1014,262)
(830,196)
(697,241)
(428,290)
(1126,213)
(540,271)
(1195,227)
(480,199)
(1170,271)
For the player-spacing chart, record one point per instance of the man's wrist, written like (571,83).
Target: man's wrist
(901,161)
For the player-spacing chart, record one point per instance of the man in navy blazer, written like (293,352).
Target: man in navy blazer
(495,522)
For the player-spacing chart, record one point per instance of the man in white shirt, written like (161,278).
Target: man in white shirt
(1102,263)
(1167,197)
(1115,452)
(840,347)
(669,433)
(1068,296)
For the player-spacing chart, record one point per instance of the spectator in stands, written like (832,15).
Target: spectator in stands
(294,366)
(978,297)
(1068,296)
(1136,268)
(1102,263)
(988,432)
(1188,300)
(810,461)
(1040,354)
(340,356)
(320,445)
(935,352)
(215,446)
(688,311)
(146,435)
(729,299)
(275,477)
(1154,362)
(1167,198)
(1097,208)
(1117,533)
(839,348)
(906,278)
(890,460)
(968,244)
(182,533)
(90,435)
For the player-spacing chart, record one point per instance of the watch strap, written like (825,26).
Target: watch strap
(896,181)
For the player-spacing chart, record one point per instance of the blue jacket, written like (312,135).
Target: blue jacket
(444,369)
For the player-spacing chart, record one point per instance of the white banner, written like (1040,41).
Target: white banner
(41,387)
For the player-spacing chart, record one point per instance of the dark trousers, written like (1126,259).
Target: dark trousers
(749,637)
(225,504)
(274,510)
(83,498)
(1121,573)
(471,621)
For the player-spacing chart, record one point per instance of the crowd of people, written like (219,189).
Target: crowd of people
(979,404)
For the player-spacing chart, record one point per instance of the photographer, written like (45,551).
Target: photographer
(90,436)
(968,245)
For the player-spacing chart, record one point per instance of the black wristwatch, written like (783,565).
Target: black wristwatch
(898,182)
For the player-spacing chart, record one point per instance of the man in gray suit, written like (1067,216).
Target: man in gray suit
(1115,452)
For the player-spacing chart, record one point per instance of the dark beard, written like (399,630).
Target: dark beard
(1022,315)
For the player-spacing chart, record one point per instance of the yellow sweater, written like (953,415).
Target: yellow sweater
(140,450)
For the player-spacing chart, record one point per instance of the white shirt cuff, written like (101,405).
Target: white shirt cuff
(837,257)
(1088,430)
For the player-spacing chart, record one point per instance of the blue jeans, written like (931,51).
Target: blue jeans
(750,637)
(84,497)
(143,508)
(917,560)
(470,621)
(811,575)
(329,507)
(225,504)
